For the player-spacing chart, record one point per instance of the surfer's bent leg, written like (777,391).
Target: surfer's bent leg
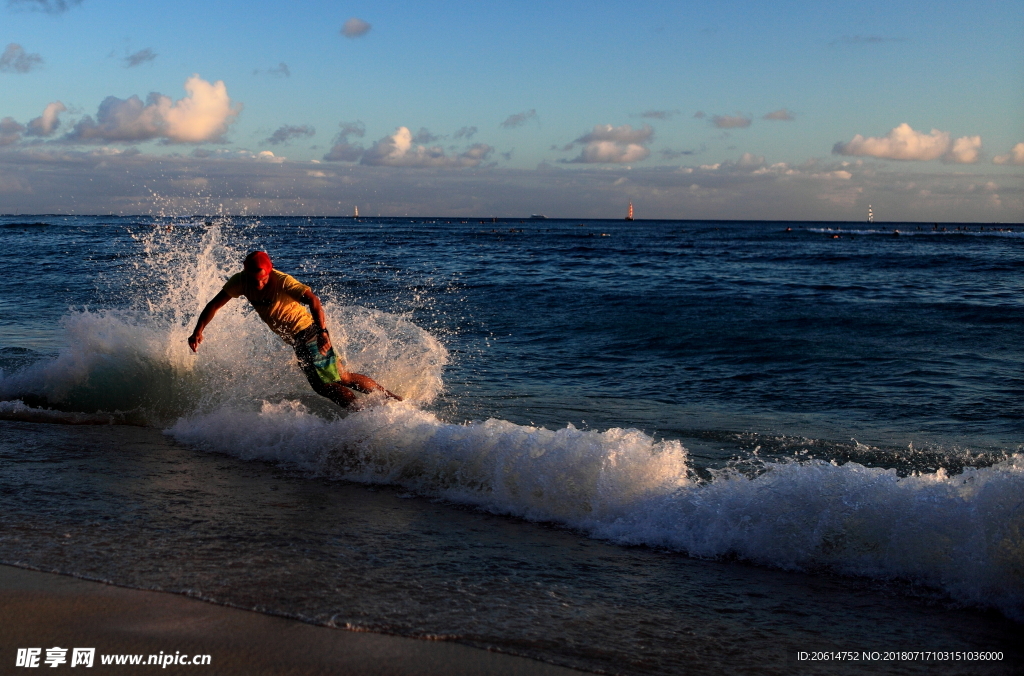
(323,381)
(365,384)
(336,392)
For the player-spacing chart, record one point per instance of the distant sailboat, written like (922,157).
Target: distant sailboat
(355,212)
(871,215)
(629,214)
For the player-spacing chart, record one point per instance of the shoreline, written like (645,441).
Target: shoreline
(43,610)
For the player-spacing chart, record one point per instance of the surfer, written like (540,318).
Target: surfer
(279,300)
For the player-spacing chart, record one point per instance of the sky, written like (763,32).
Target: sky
(727,110)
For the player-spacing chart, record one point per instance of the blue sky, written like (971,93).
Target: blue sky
(690,110)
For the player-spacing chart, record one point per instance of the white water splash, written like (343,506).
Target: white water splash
(136,360)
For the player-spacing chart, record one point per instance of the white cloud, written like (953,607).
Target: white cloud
(355,28)
(863,40)
(398,150)
(749,161)
(235,154)
(139,57)
(477,153)
(202,116)
(48,6)
(1015,156)
(281,70)
(965,150)
(287,132)
(424,136)
(356,128)
(47,123)
(840,174)
(623,134)
(16,60)
(777,169)
(113,152)
(519,119)
(904,143)
(755,165)
(10,131)
(659,114)
(670,154)
(780,114)
(342,150)
(609,151)
(608,144)
(731,121)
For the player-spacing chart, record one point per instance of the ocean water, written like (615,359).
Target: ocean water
(654,447)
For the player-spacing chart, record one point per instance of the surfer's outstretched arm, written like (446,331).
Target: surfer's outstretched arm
(205,317)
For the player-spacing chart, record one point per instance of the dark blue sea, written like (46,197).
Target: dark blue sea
(648,447)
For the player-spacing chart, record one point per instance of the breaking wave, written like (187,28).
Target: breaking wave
(963,534)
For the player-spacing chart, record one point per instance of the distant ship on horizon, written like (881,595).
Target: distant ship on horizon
(538,217)
(355,212)
(629,214)
(871,215)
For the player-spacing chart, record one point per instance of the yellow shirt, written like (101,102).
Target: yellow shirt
(277,303)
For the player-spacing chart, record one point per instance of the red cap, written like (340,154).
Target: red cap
(258,260)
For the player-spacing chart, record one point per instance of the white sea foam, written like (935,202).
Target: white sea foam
(19,410)
(963,533)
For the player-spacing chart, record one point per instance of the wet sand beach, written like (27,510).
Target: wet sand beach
(45,610)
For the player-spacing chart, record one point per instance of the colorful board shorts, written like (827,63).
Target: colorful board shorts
(320,369)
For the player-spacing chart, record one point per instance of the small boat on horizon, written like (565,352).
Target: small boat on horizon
(538,217)
(629,214)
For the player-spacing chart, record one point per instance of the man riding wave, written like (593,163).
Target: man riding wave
(280,300)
